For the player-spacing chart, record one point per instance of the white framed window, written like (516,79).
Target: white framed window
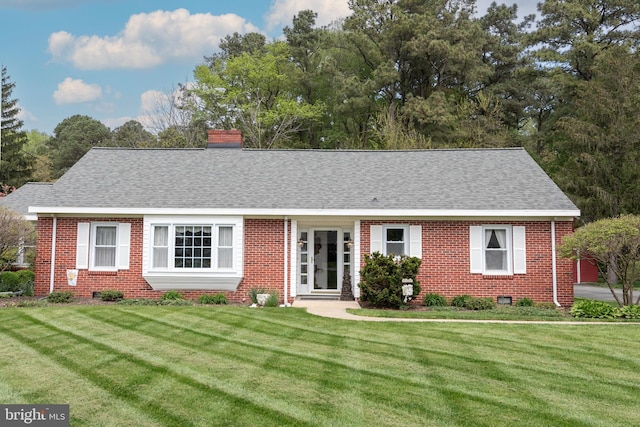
(498,249)
(103,246)
(160,246)
(395,240)
(225,247)
(192,247)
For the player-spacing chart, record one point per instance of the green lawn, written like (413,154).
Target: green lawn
(235,366)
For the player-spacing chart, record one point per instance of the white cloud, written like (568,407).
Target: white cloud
(72,91)
(149,39)
(281,12)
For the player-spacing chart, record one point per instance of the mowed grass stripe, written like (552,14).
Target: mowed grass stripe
(327,372)
(528,349)
(131,372)
(499,374)
(309,377)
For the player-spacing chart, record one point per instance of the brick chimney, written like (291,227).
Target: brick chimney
(217,138)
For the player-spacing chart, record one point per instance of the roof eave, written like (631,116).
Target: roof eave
(279,212)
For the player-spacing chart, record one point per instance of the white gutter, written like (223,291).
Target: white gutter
(553,263)
(279,212)
(286,261)
(53,254)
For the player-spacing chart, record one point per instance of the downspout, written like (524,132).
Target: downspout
(553,263)
(53,253)
(286,261)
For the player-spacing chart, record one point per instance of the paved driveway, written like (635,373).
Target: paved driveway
(595,292)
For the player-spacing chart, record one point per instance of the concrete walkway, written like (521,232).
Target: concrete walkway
(338,310)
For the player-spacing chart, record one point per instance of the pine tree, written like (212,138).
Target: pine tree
(15,166)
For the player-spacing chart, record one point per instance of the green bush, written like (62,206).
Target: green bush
(381,284)
(593,309)
(480,304)
(434,300)
(460,300)
(253,294)
(60,297)
(171,296)
(9,281)
(629,312)
(272,301)
(212,299)
(473,303)
(525,302)
(111,295)
(26,278)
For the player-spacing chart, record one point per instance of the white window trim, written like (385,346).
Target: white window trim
(509,249)
(405,234)
(516,249)
(92,246)
(412,239)
(215,227)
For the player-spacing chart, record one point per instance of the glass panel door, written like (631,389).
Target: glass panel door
(325,260)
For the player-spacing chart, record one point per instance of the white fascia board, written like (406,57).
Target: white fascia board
(359,213)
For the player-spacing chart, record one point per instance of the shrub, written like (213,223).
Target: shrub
(525,302)
(60,297)
(381,284)
(26,278)
(111,295)
(460,300)
(212,299)
(593,309)
(434,300)
(629,312)
(171,296)
(472,303)
(272,301)
(480,304)
(253,294)
(9,281)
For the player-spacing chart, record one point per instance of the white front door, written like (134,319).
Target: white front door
(324,255)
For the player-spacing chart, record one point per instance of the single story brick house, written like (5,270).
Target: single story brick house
(484,222)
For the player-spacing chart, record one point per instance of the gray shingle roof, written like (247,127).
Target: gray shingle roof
(483,179)
(30,194)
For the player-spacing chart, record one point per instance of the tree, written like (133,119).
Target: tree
(598,144)
(172,119)
(612,242)
(15,233)
(71,140)
(36,149)
(15,166)
(572,33)
(252,92)
(132,134)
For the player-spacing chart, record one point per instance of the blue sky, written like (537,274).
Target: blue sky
(112,59)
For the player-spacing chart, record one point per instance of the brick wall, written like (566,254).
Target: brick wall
(263,255)
(445,262)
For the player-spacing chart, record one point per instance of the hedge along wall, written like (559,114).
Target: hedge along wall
(263,258)
(445,265)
